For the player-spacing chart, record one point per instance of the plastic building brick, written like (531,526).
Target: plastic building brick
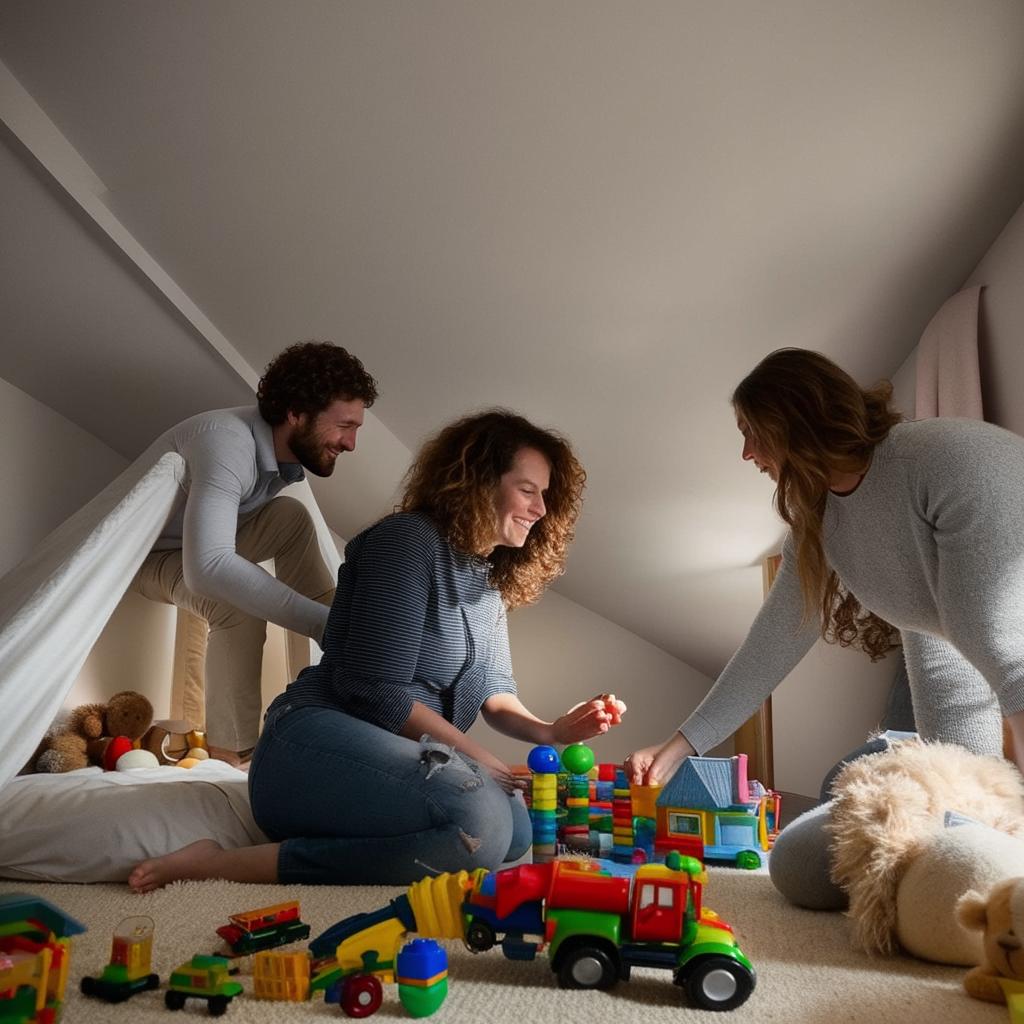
(129,970)
(422,972)
(281,976)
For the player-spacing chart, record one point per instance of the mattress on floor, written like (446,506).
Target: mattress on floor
(95,826)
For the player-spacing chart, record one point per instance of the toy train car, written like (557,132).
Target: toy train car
(265,928)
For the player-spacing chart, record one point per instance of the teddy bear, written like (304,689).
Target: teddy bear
(95,733)
(999,916)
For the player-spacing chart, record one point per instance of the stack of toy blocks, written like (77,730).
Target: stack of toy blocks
(622,820)
(577,760)
(544,764)
(601,795)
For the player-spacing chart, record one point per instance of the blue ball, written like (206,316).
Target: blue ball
(543,760)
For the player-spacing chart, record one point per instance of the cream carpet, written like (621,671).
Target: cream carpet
(807,971)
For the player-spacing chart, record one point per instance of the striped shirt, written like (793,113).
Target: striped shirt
(412,620)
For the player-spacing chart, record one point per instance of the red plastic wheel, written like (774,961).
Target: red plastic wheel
(361,995)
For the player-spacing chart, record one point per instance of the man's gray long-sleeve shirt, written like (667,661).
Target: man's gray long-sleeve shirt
(231,472)
(932,541)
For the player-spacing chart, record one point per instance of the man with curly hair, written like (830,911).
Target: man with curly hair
(311,401)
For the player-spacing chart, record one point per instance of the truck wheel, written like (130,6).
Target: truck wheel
(480,936)
(89,986)
(174,1000)
(748,860)
(218,1005)
(361,995)
(153,981)
(586,966)
(716,982)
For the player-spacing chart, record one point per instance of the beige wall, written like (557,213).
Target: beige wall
(52,467)
(825,708)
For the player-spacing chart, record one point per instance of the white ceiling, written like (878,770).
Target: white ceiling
(601,214)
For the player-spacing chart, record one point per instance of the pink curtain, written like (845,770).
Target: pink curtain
(948,379)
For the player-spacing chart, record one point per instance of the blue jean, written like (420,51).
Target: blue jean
(353,804)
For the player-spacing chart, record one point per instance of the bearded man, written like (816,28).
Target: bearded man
(310,404)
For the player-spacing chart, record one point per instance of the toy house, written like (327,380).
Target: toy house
(711,799)
(35,954)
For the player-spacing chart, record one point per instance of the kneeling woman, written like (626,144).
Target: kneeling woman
(364,773)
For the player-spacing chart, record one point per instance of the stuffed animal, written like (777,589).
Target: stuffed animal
(176,742)
(88,734)
(900,864)
(950,863)
(999,916)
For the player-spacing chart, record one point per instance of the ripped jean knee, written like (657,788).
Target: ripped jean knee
(475,807)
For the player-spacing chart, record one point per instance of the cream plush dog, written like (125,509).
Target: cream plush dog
(903,868)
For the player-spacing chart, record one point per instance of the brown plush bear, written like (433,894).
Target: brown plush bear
(1000,918)
(84,736)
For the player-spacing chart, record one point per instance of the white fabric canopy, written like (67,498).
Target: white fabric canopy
(55,603)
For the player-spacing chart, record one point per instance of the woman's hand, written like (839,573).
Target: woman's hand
(588,718)
(653,766)
(500,772)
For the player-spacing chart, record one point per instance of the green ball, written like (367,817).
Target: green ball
(577,758)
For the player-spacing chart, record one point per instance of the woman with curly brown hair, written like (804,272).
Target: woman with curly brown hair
(364,773)
(907,533)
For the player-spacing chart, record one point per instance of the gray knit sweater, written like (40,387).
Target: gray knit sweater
(933,542)
(232,472)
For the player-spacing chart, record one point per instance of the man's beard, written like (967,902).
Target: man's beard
(311,452)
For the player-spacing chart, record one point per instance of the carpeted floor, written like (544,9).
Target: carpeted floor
(807,971)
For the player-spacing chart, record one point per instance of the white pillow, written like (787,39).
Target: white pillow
(95,826)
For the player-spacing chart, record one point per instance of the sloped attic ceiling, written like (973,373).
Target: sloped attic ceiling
(601,214)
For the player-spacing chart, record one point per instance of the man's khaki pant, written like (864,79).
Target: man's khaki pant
(232,640)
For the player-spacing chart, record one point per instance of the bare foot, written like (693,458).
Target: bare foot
(195,861)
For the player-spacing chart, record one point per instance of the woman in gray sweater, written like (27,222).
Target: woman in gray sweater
(907,533)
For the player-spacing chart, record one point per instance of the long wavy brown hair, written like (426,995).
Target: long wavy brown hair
(813,420)
(454,480)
